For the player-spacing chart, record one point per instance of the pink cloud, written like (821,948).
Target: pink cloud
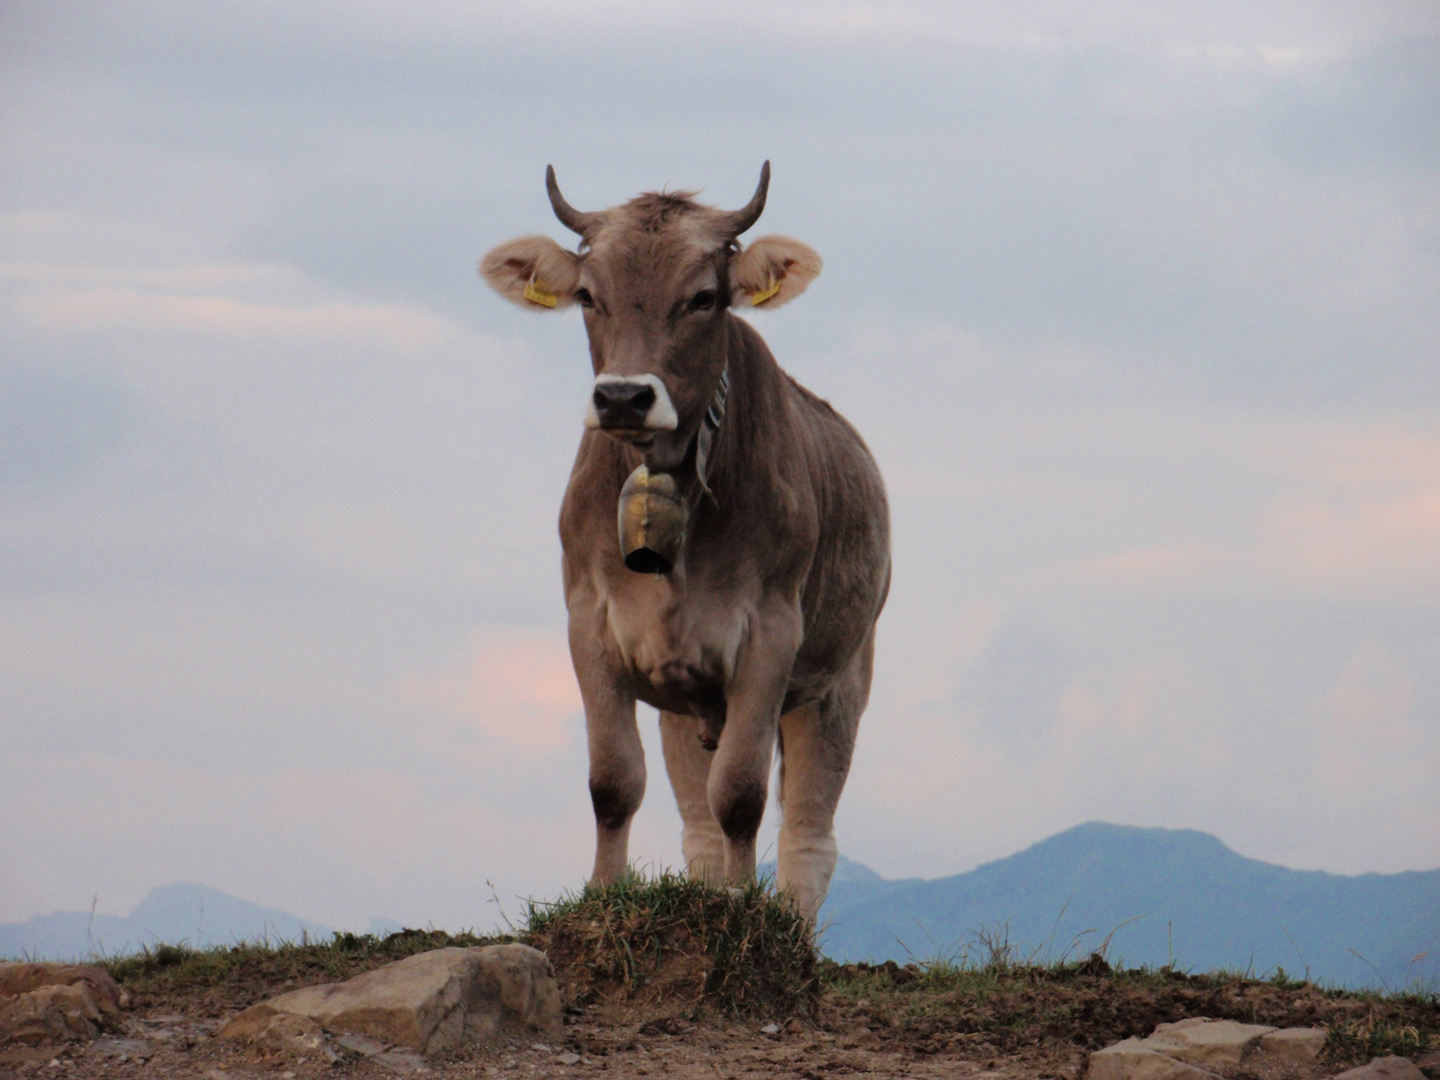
(515,688)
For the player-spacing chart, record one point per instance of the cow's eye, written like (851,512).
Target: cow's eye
(703,300)
(584,298)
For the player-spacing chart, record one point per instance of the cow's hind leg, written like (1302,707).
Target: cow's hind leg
(688,764)
(817,742)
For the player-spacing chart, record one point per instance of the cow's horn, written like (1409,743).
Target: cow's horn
(572,219)
(742,219)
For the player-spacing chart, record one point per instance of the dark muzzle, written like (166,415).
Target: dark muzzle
(623,404)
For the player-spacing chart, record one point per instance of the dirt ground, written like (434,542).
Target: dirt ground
(896,1031)
(671,1047)
(709,985)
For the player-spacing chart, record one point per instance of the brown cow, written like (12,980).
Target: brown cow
(756,625)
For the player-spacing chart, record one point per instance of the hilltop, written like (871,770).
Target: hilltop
(1169,895)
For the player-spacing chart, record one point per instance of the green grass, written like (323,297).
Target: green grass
(742,950)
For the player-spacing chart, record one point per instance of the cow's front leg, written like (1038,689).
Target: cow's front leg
(740,771)
(617,785)
(617,760)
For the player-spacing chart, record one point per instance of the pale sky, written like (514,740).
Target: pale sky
(1136,304)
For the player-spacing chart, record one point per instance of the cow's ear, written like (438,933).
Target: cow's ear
(533,271)
(773,271)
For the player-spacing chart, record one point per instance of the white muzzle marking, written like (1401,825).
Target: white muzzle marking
(661,416)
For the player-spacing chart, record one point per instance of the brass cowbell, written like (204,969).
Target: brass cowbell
(653,518)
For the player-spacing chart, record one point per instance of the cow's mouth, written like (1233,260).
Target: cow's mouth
(631,436)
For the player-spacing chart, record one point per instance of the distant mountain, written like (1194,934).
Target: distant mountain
(1191,898)
(172,914)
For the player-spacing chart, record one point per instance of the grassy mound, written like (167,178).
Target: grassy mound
(682,942)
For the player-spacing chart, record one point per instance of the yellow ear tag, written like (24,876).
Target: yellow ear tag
(536,294)
(765,293)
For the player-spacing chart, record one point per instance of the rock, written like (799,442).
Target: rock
(361,1044)
(1207,1043)
(428,1002)
(567,1058)
(1136,1059)
(1294,1044)
(22,977)
(289,1034)
(1195,1048)
(770,1029)
(43,1003)
(122,1049)
(1385,1068)
(402,1061)
(50,1014)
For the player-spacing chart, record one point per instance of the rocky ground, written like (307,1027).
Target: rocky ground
(686,985)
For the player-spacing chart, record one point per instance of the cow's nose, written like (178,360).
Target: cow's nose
(623,404)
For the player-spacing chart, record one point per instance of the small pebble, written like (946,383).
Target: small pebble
(770,1029)
(567,1059)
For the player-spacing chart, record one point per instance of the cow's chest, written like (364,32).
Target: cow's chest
(677,647)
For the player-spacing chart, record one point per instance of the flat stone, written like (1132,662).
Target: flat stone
(402,1061)
(1294,1044)
(122,1049)
(1207,1043)
(567,1058)
(1385,1068)
(1136,1059)
(361,1044)
(428,1002)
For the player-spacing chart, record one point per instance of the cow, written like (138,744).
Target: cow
(725,533)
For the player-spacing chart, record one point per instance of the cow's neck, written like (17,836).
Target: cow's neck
(740,450)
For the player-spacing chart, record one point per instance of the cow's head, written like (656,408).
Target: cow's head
(655,278)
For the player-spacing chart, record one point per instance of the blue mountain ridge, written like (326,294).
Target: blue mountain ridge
(171,914)
(1166,894)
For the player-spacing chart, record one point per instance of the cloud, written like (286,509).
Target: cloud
(1134,305)
(392,327)
(515,691)
(1372,700)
